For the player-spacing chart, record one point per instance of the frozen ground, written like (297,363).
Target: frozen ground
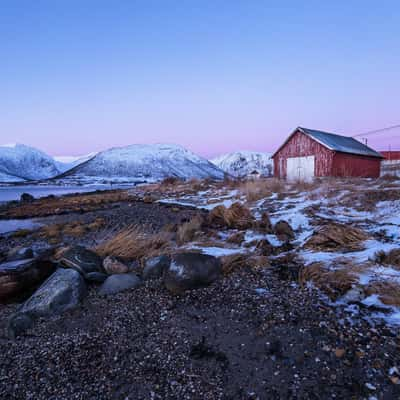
(370,205)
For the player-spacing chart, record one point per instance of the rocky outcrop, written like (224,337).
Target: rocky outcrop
(18,278)
(62,291)
(118,283)
(188,271)
(154,267)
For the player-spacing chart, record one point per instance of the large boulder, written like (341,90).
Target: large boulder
(154,267)
(18,278)
(62,291)
(118,283)
(188,271)
(82,260)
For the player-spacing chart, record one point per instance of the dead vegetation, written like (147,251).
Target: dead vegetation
(388,292)
(335,279)
(188,231)
(255,190)
(236,238)
(237,216)
(337,237)
(367,199)
(134,243)
(55,232)
(236,262)
(390,258)
(66,204)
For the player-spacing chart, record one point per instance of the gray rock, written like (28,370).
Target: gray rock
(18,324)
(19,253)
(82,260)
(155,266)
(189,271)
(113,265)
(99,277)
(18,278)
(62,291)
(118,283)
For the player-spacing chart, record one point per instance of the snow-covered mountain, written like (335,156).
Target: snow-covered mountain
(19,163)
(65,163)
(243,163)
(143,162)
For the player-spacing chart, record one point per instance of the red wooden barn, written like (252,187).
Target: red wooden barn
(308,153)
(392,155)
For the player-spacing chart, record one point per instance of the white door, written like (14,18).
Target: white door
(300,168)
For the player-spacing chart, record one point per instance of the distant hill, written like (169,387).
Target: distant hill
(19,162)
(243,163)
(143,162)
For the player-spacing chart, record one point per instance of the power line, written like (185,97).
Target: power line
(382,130)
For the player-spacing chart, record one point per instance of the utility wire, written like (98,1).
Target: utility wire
(382,130)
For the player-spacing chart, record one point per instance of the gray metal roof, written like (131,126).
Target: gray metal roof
(344,144)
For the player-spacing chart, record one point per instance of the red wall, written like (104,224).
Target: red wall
(300,145)
(345,164)
(391,155)
(327,162)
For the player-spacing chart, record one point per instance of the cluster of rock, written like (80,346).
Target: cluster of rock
(63,279)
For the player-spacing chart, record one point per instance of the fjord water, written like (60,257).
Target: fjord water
(9,193)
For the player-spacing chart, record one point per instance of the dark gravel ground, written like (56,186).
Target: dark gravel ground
(228,341)
(251,335)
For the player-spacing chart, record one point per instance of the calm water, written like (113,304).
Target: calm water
(11,225)
(8,193)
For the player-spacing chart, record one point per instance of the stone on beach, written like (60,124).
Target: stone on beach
(82,260)
(114,266)
(155,266)
(118,283)
(62,291)
(189,271)
(18,278)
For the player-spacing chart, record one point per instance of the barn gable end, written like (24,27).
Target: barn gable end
(309,153)
(300,145)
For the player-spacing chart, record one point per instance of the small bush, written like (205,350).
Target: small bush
(188,231)
(391,258)
(237,216)
(255,190)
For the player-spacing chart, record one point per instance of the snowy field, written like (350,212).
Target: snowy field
(346,234)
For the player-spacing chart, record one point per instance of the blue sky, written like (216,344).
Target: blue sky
(214,76)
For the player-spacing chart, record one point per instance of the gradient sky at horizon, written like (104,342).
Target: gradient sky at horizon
(213,76)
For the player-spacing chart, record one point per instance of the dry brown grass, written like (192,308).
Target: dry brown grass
(337,237)
(255,190)
(134,243)
(240,261)
(334,282)
(388,292)
(67,204)
(188,231)
(236,238)
(237,216)
(391,258)
(55,232)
